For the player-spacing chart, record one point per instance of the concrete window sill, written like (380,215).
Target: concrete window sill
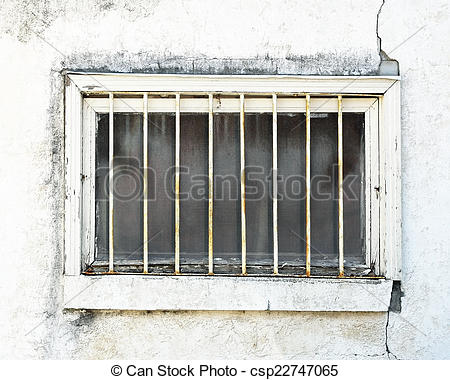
(141,292)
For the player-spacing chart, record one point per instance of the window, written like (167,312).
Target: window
(177,177)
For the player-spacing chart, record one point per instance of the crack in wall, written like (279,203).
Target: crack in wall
(391,67)
(387,66)
(380,51)
(388,351)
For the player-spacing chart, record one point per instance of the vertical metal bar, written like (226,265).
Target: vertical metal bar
(145,185)
(340,189)
(211,186)
(275,182)
(243,224)
(111,182)
(308,187)
(177,184)
(367,181)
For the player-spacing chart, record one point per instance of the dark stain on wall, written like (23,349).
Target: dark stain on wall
(337,63)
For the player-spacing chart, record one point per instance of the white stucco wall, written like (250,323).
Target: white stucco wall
(39,39)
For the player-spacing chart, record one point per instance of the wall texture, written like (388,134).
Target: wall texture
(39,39)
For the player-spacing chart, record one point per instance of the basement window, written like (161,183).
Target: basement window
(228,176)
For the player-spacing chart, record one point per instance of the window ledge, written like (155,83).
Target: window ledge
(146,292)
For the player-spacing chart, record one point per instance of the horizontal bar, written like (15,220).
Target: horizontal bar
(201,105)
(164,94)
(272,275)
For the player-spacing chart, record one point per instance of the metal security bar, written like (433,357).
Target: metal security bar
(177,184)
(210,107)
(308,187)
(340,188)
(111,182)
(145,184)
(242,151)
(275,182)
(210,183)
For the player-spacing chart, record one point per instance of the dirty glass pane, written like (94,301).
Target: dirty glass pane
(227,211)
(354,189)
(258,187)
(324,191)
(128,234)
(291,188)
(161,204)
(101,187)
(324,196)
(194,188)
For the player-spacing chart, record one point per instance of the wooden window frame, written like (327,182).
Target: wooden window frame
(377,97)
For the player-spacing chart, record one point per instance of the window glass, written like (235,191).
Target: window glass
(128,211)
(128,186)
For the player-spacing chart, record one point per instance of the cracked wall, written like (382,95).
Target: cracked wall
(39,39)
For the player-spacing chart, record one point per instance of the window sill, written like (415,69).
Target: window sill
(146,292)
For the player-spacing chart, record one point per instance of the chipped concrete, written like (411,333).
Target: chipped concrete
(40,39)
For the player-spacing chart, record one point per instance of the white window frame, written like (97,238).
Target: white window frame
(377,97)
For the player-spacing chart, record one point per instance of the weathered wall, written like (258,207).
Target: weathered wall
(39,39)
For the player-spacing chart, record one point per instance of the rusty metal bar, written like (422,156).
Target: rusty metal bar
(211,184)
(177,184)
(340,189)
(145,185)
(242,149)
(275,182)
(111,182)
(308,187)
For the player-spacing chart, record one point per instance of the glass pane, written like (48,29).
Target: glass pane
(194,188)
(324,191)
(324,196)
(227,209)
(291,188)
(101,187)
(128,233)
(161,205)
(128,242)
(354,189)
(258,187)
